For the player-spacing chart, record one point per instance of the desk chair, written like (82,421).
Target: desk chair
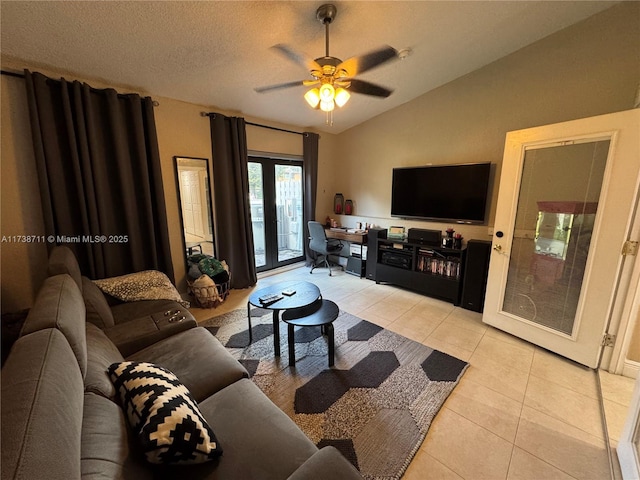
(319,243)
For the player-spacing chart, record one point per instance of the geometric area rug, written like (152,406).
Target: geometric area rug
(375,405)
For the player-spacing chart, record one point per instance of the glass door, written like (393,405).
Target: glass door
(564,207)
(275,189)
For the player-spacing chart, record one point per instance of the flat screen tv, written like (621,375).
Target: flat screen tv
(451,193)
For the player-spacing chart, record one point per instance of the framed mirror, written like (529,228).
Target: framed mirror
(194,196)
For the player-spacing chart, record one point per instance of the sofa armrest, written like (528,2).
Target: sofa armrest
(327,462)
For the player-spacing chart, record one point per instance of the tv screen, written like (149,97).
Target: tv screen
(452,193)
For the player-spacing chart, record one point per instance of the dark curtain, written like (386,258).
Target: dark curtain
(99,175)
(310,156)
(234,234)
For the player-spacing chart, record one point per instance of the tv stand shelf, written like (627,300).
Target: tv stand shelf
(430,270)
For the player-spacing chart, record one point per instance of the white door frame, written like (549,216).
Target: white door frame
(626,309)
(627,448)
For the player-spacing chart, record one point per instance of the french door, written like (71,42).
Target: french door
(568,194)
(275,190)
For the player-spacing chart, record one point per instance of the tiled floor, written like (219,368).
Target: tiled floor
(519,411)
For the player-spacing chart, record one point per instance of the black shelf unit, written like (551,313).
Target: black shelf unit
(431,270)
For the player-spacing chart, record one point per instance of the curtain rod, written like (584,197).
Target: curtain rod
(212,114)
(21,75)
(12,74)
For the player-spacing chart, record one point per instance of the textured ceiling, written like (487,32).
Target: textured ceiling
(215,53)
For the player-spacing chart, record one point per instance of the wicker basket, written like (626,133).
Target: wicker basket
(212,295)
(209,296)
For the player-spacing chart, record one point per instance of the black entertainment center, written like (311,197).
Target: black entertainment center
(423,267)
(429,268)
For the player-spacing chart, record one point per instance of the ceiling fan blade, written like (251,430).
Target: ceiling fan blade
(280,86)
(367,88)
(297,57)
(357,65)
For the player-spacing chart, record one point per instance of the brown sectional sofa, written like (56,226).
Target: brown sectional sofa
(60,416)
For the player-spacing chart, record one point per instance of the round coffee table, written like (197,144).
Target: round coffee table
(320,313)
(305,294)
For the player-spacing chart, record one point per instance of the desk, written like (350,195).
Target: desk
(357,264)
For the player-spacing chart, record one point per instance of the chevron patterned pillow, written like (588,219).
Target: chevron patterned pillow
(163,414)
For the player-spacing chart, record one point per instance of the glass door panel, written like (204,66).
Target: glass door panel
(289,211)
(256,198)
(275,189)
(554,221)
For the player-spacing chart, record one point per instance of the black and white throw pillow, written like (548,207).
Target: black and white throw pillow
(163,414)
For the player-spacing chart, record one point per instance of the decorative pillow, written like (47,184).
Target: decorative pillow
(146,285)
(163,414)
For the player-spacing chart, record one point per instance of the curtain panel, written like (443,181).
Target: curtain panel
(310,156)
(99,174)
(234,235)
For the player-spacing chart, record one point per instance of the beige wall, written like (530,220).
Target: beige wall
(23,265)
(634,345)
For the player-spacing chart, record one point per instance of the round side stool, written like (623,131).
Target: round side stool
(320,313)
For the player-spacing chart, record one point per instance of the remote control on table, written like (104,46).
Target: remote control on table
(269,299)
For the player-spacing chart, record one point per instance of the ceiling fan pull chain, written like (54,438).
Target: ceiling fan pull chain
(329,120)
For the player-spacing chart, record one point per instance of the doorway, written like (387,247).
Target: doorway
(276,196)
(565,207)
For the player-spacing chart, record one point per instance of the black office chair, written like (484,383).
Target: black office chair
(323,246)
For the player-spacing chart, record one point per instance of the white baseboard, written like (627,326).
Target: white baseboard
(631,369)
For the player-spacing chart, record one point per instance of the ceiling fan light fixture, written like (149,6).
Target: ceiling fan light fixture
(327,92)
(342,97)
(312,97)
(327,106)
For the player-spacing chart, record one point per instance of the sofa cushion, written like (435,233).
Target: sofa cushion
(98,310)
(260,441)
(42,397)
(60,305)
(62,260)
(197,358)
(327,462)
(109,448)
(101,353)
(163,414)
(139,333)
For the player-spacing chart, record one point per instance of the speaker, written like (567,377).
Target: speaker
(372,250)
(424,236)
(476,269)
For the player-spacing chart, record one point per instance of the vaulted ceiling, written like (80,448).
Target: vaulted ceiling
(215,53)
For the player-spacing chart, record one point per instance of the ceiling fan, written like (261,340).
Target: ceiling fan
(333,78)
